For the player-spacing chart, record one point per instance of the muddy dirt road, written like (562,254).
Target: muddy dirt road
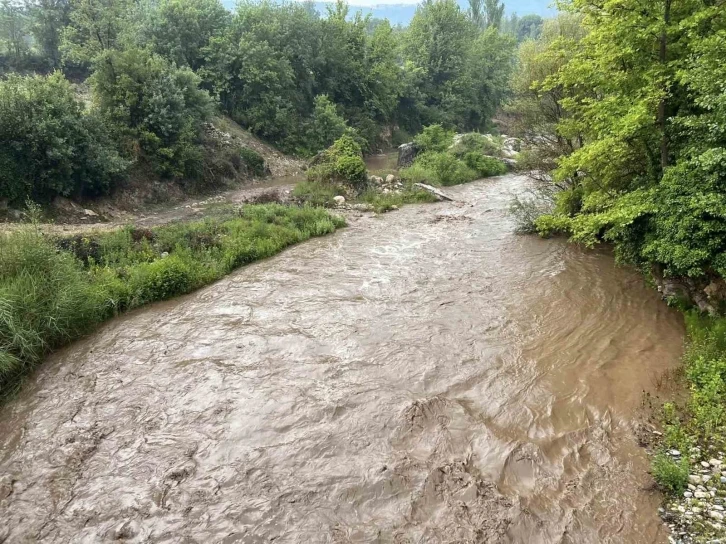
(424,376)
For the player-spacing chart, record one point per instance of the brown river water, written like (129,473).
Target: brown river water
(423,376)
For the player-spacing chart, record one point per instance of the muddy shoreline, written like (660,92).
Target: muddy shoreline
(422,376)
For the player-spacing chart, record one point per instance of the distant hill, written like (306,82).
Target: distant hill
(403,13)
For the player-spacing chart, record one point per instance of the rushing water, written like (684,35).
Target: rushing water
(424,376)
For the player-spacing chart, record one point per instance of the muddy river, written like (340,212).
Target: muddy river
(424,376)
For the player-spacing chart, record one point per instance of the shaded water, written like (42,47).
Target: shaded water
(425,376)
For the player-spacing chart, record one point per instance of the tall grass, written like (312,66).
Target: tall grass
(53,291)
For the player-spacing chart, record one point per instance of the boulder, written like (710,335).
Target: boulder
(90,213)
(339,200)
(406,154)
(390,178)
(434,191)
(376,180)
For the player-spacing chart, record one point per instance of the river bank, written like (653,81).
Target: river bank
(423,374)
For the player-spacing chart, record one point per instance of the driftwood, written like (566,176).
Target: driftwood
(434,191)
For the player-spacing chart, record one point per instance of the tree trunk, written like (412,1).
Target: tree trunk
(662,110)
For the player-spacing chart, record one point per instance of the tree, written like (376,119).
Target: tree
(494,13)
(153,106)
(529,26)
(51,145)
(14,24)
(95,27)
(477,13)
(49,18)
(180,30)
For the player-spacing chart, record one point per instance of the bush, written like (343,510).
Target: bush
(254,161)
(484,166)
(340,163)
(154,107)
(670,475)
(475,142)
(439,168)
(434,138)
(51,146)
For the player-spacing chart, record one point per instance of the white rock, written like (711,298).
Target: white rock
(701,495)
(90,213)
(390,178)
(694,479)
(339,200)
(687,494)
(717,507)
(714,462)
(165,254)
(716,515)
(675,453)
(705,464)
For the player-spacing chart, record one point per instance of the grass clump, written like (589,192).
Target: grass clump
(384,202)
(317,193)
(53,291)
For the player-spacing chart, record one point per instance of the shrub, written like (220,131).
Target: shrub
(475,142)
(670,475)
(51,146)
(434,138)
(155,107)
(254,161)
(443,169)
(340,163)
(484,166)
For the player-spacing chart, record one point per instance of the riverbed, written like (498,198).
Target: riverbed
(423,376)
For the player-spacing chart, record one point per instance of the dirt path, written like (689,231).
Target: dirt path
(423,376)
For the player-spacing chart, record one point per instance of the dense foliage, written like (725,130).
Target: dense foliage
(642,105)
(50,144)
(294,77)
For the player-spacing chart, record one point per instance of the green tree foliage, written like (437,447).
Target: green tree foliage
(49,18)
(14,27)
(51,145)
(537,101)
(295,78)
(154,107)
(95,26)
(644,94)
(181,30)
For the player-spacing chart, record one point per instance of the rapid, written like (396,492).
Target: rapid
(423,376)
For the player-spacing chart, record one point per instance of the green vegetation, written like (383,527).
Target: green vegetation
(299,80)
(442,161)
(670,474)
(53,291)
(51,146)
(383,202)
(342,162)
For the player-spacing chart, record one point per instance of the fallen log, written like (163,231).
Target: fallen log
(434,191)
